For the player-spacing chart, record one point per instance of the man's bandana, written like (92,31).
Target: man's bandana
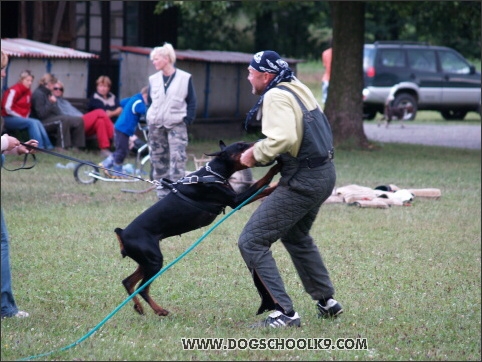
(268,61)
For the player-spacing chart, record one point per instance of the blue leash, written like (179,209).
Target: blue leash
(93,330)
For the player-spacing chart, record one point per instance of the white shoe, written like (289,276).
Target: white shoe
(279,320)
(22,314)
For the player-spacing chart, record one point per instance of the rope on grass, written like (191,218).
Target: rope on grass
(111,314)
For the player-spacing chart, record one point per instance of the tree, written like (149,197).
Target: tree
(344,106)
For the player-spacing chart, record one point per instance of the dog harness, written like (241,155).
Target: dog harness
(195,179)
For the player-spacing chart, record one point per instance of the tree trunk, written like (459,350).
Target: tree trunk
(344,106)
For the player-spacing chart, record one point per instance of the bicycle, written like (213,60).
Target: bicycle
(89,174)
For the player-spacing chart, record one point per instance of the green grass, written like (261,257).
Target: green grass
(409,278)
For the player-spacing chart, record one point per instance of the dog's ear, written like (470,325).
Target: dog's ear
(222,146)
(217,153)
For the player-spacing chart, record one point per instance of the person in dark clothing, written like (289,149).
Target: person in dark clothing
(104,99)
(299,137)
(45,108)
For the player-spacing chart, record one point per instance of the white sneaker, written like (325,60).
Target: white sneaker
(22,314)
(279,320)
(332,309)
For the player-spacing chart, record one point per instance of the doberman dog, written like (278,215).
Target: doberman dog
(401,113)
(194,201)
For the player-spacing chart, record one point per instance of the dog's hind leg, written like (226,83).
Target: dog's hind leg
(380,120)
(149,273)
(121,244)
(155,307)
(130,283)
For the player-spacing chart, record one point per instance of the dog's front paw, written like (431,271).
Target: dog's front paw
(161,312)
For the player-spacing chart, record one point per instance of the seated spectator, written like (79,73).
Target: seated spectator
(96,122)
(16,109)
(125,126)
(45,108)
(104,99)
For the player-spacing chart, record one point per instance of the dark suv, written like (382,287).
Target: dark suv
(426,77)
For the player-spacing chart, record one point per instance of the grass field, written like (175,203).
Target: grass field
(409,278)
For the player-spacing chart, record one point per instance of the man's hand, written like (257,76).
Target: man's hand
(247,157)
(12,143)
(21,149)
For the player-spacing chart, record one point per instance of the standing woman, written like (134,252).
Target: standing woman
(104,99)
(16,109)
(173,108)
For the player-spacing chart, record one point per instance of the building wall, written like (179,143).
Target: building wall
(135,70)
(91,39)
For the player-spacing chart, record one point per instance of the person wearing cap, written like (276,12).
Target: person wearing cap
(298,136)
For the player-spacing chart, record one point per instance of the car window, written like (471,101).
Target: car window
(392,58)
(453,63)
(422,60)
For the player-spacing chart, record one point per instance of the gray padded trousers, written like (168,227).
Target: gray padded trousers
(288,214)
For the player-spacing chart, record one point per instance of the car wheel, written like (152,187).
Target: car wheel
(408,101)
(453,114)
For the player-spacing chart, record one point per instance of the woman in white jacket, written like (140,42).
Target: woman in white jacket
(172,109)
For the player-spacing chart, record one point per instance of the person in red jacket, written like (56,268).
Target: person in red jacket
(16,108)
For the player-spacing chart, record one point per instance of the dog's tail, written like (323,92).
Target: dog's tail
(118,232)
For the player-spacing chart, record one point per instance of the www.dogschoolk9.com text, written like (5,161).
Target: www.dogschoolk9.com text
(350,344)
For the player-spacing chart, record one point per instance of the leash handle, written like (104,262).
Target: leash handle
(23,164)
(86,163)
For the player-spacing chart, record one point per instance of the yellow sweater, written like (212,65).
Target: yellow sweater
(282,121)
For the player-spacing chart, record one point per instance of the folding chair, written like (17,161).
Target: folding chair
(59,130)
